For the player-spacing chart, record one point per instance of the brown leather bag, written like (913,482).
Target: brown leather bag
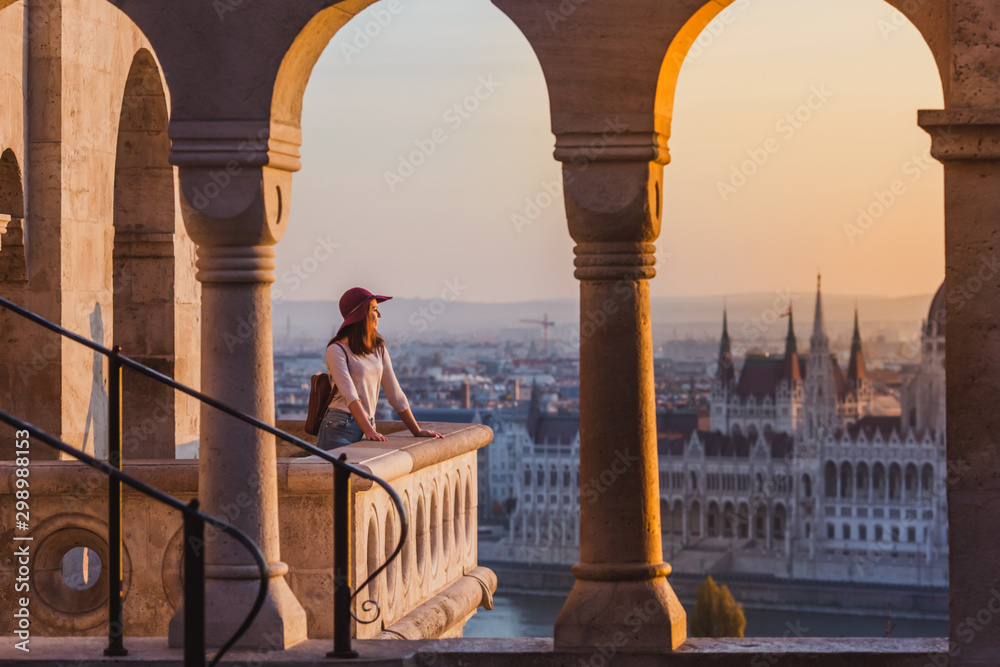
(320,395)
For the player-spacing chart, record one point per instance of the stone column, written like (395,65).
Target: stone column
(235,210)
(967,141)
(612,185)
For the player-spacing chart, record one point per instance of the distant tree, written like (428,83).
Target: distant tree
(510,505)
(497,510)
(716,612)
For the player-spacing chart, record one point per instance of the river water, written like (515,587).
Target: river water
(533,615)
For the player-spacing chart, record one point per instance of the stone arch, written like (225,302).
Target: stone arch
(694,17)
(11,196)
(20,342)
(666,519)
(13,267)
(678,517)
(155,296)
(300,58)
(807,486)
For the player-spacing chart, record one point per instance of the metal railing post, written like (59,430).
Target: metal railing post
(194,589)
(342,563)
(116,621)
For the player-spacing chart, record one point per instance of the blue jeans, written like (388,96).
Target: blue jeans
(339,428)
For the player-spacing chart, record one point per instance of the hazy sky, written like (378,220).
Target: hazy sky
(448,224)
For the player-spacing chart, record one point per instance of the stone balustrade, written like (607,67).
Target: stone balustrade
(429,591)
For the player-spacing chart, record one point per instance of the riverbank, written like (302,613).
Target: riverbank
(524,614)
(759,592)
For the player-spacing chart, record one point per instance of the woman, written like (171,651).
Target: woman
(358,363)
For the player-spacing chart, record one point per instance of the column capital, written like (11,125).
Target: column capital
(962,134)
(613,202)
(231,143)
(235,179)
(613,141)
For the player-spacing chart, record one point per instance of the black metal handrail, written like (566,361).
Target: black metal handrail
(194,552)
(341,492)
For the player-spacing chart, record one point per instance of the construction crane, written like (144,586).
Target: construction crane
(546,323)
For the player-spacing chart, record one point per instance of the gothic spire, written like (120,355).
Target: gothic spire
(725,373)
(791,372)
(818,340)
(856,367)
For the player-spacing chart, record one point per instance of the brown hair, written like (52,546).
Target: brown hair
(357,339)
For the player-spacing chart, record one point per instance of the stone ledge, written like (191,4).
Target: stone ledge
(396,457)
(817,652)
(400,455)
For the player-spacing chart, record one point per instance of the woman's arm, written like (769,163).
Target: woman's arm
(362,419)
(411,423)
(394,394)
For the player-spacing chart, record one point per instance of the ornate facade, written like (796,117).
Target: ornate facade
(797,478)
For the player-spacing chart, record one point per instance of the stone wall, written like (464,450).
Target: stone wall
(79,56)
(436,478)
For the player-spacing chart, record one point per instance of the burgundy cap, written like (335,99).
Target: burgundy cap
(352,305)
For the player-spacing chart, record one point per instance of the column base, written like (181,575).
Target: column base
(280,624)
(626,614)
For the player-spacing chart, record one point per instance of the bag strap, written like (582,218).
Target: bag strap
(347,359)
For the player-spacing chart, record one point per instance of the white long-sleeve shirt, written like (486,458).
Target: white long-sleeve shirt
(367,374)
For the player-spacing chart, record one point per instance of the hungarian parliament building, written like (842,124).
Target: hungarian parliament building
(795,477)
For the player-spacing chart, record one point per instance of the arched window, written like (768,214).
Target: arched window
(878,482)
(846,480)
(895,482)
(830,480)
(910,482)
(927,481)
(862,481)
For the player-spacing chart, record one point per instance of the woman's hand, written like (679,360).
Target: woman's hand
(375,435)
(427,433)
